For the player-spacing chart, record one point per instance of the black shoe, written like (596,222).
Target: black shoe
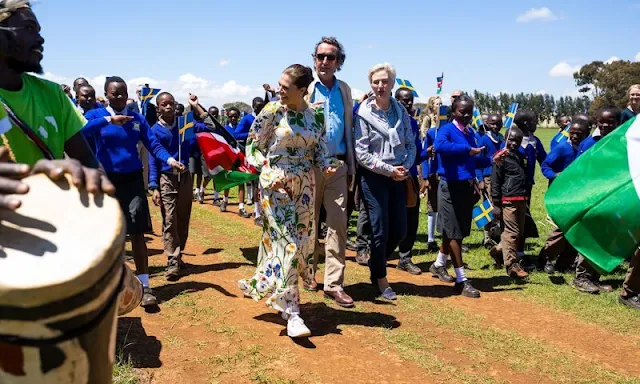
(362,258)
(441,273)
(515,271)
(351,245)
(630,301)
(259,221)
(585,286)
(244,214)
(527,264)
(173,271)
(549,268)
(466,289)
(432,246)
(410,267)
(148,299)
(223,206)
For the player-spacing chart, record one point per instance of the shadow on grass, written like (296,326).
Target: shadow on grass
(324,320)
(251,254)
(212,251)
(167,292)
(135,346)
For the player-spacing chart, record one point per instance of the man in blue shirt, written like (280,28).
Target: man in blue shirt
(333,192)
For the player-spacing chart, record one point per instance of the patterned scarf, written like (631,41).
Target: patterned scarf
(7,7)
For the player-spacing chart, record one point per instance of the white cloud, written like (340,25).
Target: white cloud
(224,63)
(541,14)
(55,78)
(611,59)
(563,69)
(637,58)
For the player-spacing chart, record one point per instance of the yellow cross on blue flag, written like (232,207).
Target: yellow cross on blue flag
(508,121)
(477,119)
(407,84)
(482,213)
(146,95)
(185,125)
(443,116)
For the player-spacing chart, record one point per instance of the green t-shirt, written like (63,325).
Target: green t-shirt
(43,107)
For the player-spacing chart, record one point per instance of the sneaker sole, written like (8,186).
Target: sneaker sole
(627,303)
(306,334)
(415,273)
(584,290)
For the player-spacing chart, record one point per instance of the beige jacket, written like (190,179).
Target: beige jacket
(347,100)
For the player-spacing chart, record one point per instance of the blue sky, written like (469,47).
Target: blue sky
(224,51)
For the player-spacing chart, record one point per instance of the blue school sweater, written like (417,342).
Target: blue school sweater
(480,172)
(558,159)
(560,137)
(169,138)
(116,146)
(241,133)
(588,143)
(452,147)
(492,144)
(415,127)
(429,166)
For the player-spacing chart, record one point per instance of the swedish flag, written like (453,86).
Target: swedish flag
(146,95)
(443,116)
(185,125)
(483,213)
(407,84)
(477,119)
(508,121)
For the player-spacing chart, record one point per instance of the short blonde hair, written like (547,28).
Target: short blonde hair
(383,67)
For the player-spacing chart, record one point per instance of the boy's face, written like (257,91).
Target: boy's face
(607,122)
(514,141)
(577,133)
(494,123)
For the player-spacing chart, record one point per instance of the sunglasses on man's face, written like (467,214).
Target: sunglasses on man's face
(322,56)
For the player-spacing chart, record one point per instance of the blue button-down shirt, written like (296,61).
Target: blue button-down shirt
(333,116)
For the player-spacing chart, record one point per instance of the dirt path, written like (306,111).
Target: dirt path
(206,332)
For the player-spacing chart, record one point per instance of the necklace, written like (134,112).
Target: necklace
(5,142)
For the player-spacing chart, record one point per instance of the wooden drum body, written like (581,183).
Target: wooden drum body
(61,274)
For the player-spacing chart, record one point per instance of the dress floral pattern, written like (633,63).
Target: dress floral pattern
(289,144)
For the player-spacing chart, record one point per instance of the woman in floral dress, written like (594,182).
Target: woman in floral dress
(285,142)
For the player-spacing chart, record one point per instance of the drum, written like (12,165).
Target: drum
(61,274)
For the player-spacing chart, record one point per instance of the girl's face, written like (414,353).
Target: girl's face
(463,112)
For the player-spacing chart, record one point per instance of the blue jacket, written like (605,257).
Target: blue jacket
(558,159)
(587,143)
(116,146)
(559,138)
(482,172)
(452,147)
(415,127)
(170,139)
(242,130)
(429,166)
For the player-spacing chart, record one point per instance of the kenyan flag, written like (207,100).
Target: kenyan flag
(596,200)
(226,163)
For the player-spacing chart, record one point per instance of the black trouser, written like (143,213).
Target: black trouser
(406,245)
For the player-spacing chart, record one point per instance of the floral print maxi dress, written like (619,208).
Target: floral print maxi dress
(290,144)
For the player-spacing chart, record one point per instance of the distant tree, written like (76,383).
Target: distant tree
(610,82)
(242,106)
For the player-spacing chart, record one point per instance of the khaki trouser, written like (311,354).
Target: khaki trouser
(177,199)
(513,216)
(631,284)
(584,270)
(331,192)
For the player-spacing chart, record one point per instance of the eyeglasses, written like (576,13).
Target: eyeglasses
(322,56)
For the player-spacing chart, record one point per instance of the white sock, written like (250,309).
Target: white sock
(258,209)
(431,226)
(216,195)
(241,206)
(144,279)
(460,276)
(441,261)
(202,190)
(226,199)
(195,190)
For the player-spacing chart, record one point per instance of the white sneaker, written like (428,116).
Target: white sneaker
(296,327)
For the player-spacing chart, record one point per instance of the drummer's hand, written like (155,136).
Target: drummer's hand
(175,164)
(94,180)
(156,197)
(9,185)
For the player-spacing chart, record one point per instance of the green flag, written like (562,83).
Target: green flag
(596,200)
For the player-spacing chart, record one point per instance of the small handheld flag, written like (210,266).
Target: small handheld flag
(443,116)
(508,120)
(483,213)
(439,81)
(477,119)
(407,84)
(146,95)
(185,125)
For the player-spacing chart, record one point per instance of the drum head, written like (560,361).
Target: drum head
(58,243)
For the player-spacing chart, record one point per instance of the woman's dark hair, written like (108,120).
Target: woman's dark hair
(302,75)
(341,56)
(461,99)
